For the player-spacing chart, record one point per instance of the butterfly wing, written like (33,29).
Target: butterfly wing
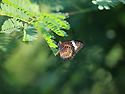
(69,49)
(67,52)
(77,45)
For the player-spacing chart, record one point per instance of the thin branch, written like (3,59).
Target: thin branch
(16,18)
(77,12)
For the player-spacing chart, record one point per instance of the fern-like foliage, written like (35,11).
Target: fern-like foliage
(25,17)
(24,5)
(106,4)
(4,41)
(11,11)
(52,22)
(55,23)
(11,25)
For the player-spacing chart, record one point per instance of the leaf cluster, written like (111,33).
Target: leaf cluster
(23,16)
(106,4)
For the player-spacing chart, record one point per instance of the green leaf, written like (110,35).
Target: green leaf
(59,15)
(14,12)
(11,25)
(53,26)
(64,33)
(29,34)
(54,50)
(105,4)
(24,5)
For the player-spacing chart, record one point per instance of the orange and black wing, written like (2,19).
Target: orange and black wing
(69,49)
(67,53)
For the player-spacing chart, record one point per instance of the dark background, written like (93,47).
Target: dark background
(98,68)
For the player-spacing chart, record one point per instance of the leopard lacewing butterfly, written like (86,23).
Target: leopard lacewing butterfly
(69,49)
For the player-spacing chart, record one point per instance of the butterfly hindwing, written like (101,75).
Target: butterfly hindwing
(67,53)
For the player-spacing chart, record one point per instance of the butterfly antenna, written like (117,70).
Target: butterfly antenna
(59,50)
(60,42)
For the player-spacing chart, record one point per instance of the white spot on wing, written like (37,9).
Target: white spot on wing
(73,43)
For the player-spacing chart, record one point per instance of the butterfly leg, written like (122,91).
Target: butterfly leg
(57,53)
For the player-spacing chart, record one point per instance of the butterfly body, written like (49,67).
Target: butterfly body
(68,49)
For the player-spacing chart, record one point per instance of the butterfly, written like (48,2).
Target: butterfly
(69,49)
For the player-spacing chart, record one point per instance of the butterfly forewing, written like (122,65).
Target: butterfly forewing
(77,45)
(67,53)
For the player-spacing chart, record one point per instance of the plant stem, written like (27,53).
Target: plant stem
(77,12)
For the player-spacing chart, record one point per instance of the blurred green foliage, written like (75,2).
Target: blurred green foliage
(98,68)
